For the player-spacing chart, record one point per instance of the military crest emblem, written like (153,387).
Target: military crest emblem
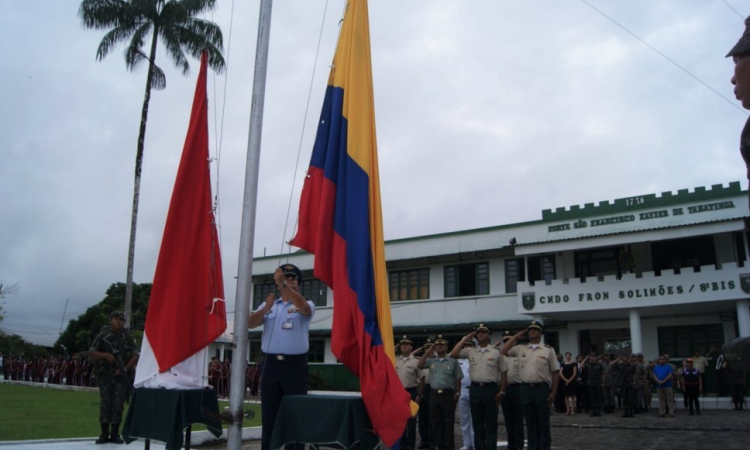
(528,300)
(745,282)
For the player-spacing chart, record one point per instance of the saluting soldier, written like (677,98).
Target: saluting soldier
(445,381)
(626,375)
(610,384)
(540,375)
(408,372)
(511,401)
(487,369)
(594,381)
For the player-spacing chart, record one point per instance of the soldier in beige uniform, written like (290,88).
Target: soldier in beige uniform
(540,374)
(408,373)
(487,370)
(511,401)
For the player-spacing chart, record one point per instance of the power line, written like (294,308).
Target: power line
(734,104)
(730,7)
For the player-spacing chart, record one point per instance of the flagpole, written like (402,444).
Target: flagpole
(247,235)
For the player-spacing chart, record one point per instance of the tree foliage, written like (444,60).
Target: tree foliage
(181,32)
(6,290)
(81,331)
(13,345)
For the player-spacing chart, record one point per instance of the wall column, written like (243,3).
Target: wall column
(636,338)
(539,319)
(743,317)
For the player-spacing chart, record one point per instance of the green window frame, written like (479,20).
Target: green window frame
(467,279)
(312,289)
(413,284)
(515,271)
(315,290)
(541,267)
(261,290)
(317,352)
(681,341)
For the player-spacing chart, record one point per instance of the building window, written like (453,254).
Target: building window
(317,351)
(467,279)
(254,352)
(739,248)
(312,289)
(598,263)
(260,290)
(541,268)
(682,341)
(409,284)
(315,290)
(681,253)
(514,272)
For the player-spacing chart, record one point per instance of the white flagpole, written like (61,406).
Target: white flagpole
(247,236)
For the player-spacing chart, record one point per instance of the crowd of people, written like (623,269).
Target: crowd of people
(529,381)
(70,371)
(599,384)
(220,374)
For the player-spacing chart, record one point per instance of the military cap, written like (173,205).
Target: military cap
(291,269)
(537,325)
(507,336)
(428,343)
(440,340)
(469,343)
(743,45)
(117,314)
(405,340)
(481,327)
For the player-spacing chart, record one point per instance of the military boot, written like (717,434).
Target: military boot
(104,438)
(114,437)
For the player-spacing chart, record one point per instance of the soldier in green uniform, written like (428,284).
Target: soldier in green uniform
(540,375)
(112,342)
(626,374)
(594,382)
(445,382)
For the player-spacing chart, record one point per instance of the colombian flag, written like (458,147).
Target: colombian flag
(341,223)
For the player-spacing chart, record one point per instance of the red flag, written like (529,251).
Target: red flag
(186,311)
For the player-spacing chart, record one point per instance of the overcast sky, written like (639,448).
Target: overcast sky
(487,111)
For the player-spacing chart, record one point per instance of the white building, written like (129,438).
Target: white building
(655,274)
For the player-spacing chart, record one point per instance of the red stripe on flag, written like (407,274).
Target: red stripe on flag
(382,392)
(182,317)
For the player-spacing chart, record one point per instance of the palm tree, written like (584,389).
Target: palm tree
(181,31)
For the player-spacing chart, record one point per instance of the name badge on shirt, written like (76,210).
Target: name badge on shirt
(288,325)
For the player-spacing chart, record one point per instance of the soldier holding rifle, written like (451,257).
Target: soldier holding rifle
(113,354)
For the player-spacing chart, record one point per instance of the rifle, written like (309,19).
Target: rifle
(121,367)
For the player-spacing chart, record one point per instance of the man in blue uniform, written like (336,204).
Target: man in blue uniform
(285,342)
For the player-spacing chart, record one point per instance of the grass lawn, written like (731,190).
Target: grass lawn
(28,412)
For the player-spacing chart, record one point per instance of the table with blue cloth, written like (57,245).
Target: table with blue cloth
(337,421)
(163,415)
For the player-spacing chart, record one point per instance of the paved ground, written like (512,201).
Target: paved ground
(712,430)
(715,429)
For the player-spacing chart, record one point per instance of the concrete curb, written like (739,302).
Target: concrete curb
(196,438)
